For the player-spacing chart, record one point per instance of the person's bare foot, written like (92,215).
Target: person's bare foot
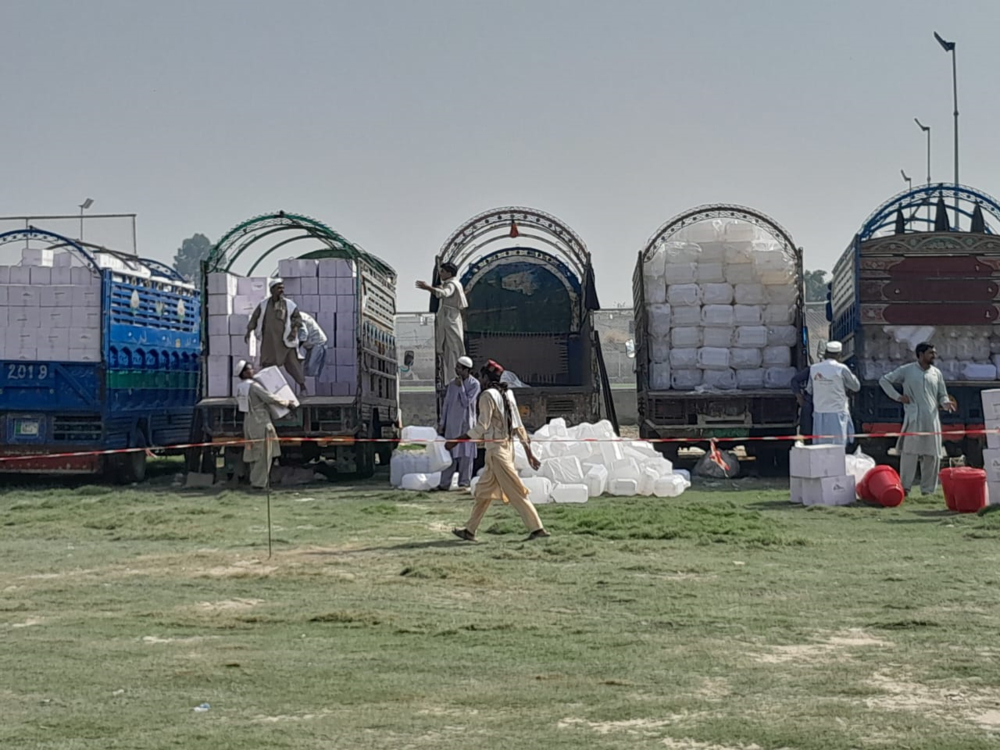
(464,534)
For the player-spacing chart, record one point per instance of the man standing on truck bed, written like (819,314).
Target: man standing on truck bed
(924,392)
(829,382)
(458,416)
(280,322)
(449,328)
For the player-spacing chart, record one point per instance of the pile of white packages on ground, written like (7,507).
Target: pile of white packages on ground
(721,299)
(577,463)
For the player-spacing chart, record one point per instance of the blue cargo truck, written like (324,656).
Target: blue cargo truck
(126,376)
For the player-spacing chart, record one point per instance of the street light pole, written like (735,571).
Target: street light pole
(907,180)
(83,207)
(950,47)
(927,132)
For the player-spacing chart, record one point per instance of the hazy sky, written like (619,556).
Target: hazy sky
(396,121)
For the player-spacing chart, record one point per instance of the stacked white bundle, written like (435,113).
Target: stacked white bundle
(49,311)
(721,285)
(969,353)
(577,463)
(325,289)
(819,476)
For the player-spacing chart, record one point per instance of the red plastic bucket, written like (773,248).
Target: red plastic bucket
(945,476)
(882,486)
(969,489)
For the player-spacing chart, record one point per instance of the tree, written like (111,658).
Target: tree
(192,252)
(815,286)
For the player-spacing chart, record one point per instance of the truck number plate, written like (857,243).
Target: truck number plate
(27,372)
(26,428)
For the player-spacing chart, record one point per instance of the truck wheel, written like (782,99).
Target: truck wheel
(365,458)
(127,468)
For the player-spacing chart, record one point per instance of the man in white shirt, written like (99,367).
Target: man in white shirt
(829,382)
(313,340)
(449,327)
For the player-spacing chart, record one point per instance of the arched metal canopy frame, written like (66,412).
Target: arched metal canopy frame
(884,217)
(86,251)
(473,238)
(245,237)
(718,211)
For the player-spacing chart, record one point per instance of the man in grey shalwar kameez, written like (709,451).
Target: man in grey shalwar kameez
(262,445)
(449,327)
(924,392)
(458,416)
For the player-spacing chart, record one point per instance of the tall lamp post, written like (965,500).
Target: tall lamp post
(927,132)
(950,47)
(907,180)
(83,207)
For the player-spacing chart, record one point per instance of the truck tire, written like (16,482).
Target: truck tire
(126,468)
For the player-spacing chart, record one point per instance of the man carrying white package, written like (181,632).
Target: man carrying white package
(449,328)
(312,346)
(280,321)
(458,416)
(262,445)
(829,382)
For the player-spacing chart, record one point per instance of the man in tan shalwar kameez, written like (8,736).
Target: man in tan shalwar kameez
(262,445)
(449,327)
(497,424)
(280,320)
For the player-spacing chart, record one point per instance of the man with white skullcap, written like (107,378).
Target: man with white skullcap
(829,382)
(458,416)
(280,321)
(262,445)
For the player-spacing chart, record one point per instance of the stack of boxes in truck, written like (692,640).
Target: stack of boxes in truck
(819,476)
(991,456)
(325,289)
(50,310)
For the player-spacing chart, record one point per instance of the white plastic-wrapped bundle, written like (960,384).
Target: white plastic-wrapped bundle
(659,320)
(751,337)
(749,294)
(685,380)
(740,273)
(773,265)
(782,335)
(722,337)
(717,294)
(778,315)
(682,252)
(776,356)
(744,359)
(685,338)
(659,376)
(723,380)
(979,371)
(659,350)
(685,317)
(712,252)
(710,273)
(711,358)
(739,253)
(717,316)
(748,380)
(683,358)
(684,295)
(708,230)
(778,377)
(680,273)
(785,293)
(748,315)
(739,231)
(654,282)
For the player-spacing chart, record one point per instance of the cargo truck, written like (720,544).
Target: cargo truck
(344,415)
(925,265)
(100,353)
(530,286)
(693,417)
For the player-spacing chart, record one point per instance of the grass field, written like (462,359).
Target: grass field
(724,619)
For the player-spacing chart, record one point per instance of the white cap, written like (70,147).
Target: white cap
(465,362)
(241,366)
(272,282)
(834,347)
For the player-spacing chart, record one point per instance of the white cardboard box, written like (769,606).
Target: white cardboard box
(219,346)
(309,303)
(828,491)
(238,324)
(297,269)
(309,286)
(244,305)
(218,379)
(220,305)
(40,275)
(991,404)
(817,461)
(251,286)
(239,348)
(34,256)
(20,275)
(24,317)
(4,296)
(57,317)
(327,304)
(335,267)
(222,283)
(23,295)
(795,489)
(86,317)
(86,296)
(84,355)
(991,462)
(84,338)
(218,325)
(992,427)
(62,275)
(285,394)
(345,287)
(4,274)
(56,296)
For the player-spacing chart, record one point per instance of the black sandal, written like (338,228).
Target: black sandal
(464,534)
(537,534)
